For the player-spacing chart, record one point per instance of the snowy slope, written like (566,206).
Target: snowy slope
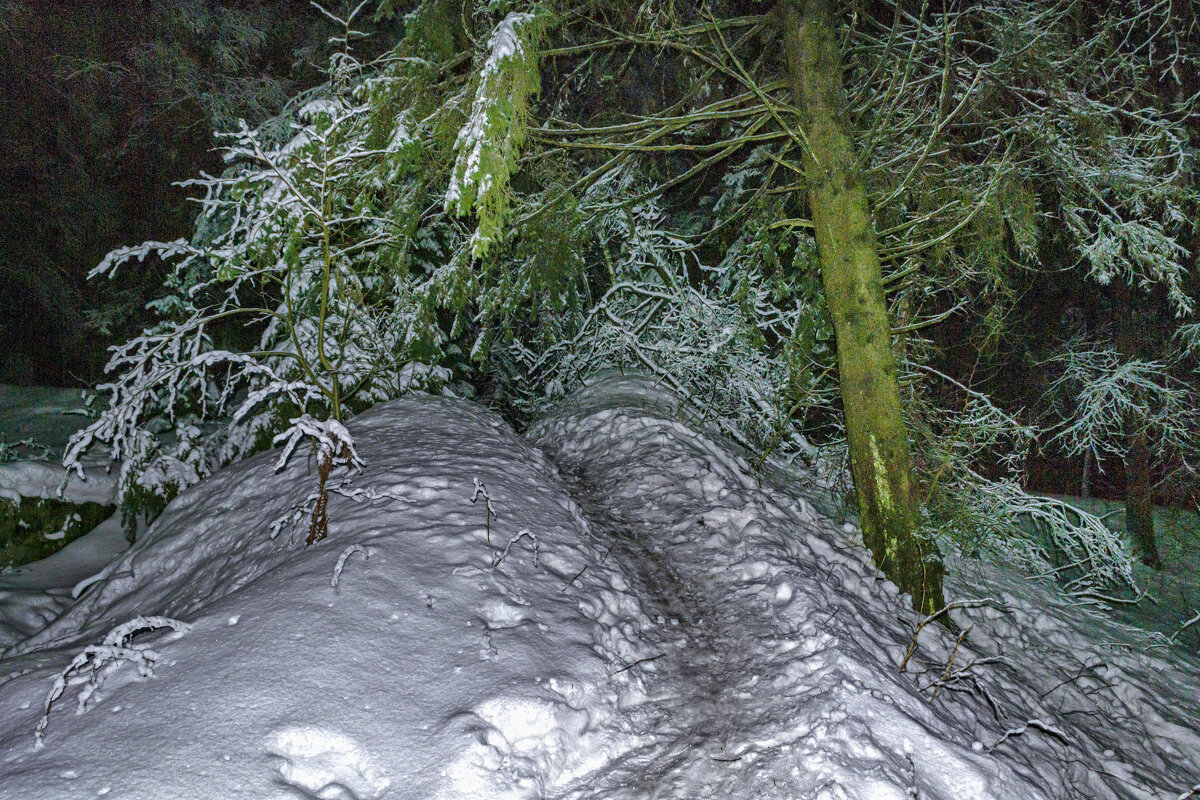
(782,678)
(666,629)
(426,673)
(33,595)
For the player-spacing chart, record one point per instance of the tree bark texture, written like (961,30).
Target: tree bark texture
(880,461)
(1139,501)
(1139,458)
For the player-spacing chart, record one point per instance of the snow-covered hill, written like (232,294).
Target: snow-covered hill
(638,619)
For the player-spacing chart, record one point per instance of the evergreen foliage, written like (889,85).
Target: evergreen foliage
(516,197)
(489,143)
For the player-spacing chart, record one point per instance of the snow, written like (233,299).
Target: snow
(52,481)
(34,594)
(628,613)
(47,418)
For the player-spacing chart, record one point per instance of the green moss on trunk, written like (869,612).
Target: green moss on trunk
(880,460)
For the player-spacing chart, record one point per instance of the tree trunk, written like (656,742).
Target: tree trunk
(1139,460)
(880,461)
(1139,501)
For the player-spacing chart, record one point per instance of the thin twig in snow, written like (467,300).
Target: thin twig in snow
(481,489)
(1076,677)
(1033,723)
(1189,623)
(520,534)
(950,664)
(912,647)
(577,574)
(341,563)
(634,664)
(97,660)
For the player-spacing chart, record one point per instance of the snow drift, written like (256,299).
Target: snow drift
(620,611)
(426,672)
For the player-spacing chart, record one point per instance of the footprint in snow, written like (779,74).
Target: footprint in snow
(322,765)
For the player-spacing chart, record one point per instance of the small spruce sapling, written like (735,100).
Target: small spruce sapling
(285,309)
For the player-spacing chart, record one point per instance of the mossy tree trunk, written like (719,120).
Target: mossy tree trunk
(1139,500)
(880,460)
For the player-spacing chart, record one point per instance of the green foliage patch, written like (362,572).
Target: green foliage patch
(37,527)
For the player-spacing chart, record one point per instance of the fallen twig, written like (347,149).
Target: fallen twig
(577,574)
(341,563)
(634,664)
(520,535)
(1033,723)
(490,513)
(912,647)
(96,660)
(950,664)
(1183,627)
(1076,677)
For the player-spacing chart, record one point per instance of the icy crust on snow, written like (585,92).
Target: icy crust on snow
(418,670)
(776,669)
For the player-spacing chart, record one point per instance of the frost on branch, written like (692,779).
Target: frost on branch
(96,661)
(1046,538)
(333,445)
(165,250)
(1103,399)
(341,563)
(655,320)
(308,237)
(489,144)
(331,441)
(521,534)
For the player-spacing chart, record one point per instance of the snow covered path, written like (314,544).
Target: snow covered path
(774,667)
(701,652)
(637,620)
(770,678)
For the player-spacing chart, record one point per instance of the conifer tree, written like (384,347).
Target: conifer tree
(884,478)
(520,196)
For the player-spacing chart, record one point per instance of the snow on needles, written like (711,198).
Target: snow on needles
(628,615)
(503,45)
(489,142)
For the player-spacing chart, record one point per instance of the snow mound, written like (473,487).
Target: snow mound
(20,479)
(391,660)
(612,608)
(325,764)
